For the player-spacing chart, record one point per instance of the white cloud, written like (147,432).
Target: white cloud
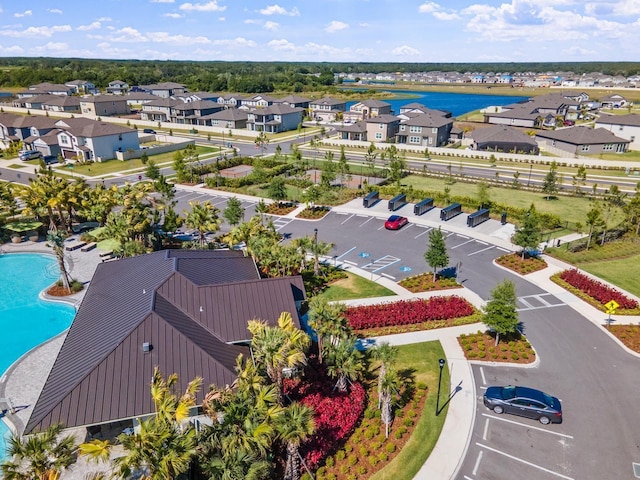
(172,15)
(404,51)
(278,10)
(271,26)
(364,25)
(104,19)
(446,16)
(203,7)
(252,21)
(36,31)
(11,51)
(54,10)
(26,13)
(282,45)
(132,35)
(91,26)
(53,47)
(335,26)
(236,42)
(428,7)
(182,40)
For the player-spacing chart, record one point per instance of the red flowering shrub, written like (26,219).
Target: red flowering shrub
(407,312)
(597,290)
(336,414)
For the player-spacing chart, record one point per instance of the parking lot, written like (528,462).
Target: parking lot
(504,444)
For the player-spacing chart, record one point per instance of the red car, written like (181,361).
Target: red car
(395,222)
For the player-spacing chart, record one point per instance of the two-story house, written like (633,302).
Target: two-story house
(189,113)
(17,128)
(167,89)
(82,87)
(382,128)
(258,101)
(274,119)
(104,105)
(326,109)
(366,109)
(231,100)
(295,101)
(93,140)
(117,87)
(425,129)
(624,126)
(159,110)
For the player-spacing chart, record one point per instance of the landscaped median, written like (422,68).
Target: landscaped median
(411,315)
(521,264)
(596,293)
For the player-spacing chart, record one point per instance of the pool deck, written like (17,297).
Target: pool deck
(22,382)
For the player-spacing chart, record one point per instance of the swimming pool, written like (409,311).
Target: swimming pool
(25,320)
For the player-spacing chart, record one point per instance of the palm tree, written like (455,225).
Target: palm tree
(388,386)
(344,362)
(202,217)
(295,425)
(42,456)
(56,239)
(328,321)
(278,348)
(164,444)
(387,355)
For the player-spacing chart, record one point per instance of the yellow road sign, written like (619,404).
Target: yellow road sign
(611,306)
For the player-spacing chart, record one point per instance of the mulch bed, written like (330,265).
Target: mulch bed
(523,266)
(313,213)
(482,346)
(59,291)
(424,283)
(417,327)
(280,208)
(627,334)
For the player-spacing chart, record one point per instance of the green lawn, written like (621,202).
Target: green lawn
(623,272)
(354,286)
(422,360)
(98,169)
(570,208)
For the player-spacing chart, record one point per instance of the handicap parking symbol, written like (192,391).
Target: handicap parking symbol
(405,269)
(364,254)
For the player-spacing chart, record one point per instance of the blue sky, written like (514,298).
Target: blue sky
(324,30)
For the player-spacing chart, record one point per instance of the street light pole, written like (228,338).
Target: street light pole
(441,363)
(529,180)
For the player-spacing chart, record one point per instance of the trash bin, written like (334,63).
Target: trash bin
(503,218)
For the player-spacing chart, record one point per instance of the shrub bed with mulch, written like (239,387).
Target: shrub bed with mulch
(627,334)
(313,213)
(425,283)
(58,290)
(594,292)
(523,266)
(280,208)
(482,346)
(411,315)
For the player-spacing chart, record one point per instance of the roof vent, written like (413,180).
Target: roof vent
(201,309)
(146,347)
(144,290)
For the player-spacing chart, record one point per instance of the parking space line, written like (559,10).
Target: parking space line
(499,452)
(366,221)
(454,234)
(388,276)
(362,216)
(477,465)
(345,253)
(538,308)
(462,236)
(463,243)
(526,304)
(481,242)
(486,430)
(427,230)
(348,218)
(387,265)
(542,300)
(381,227)
(350,262)
(480,251)
(484,380)
(551,432)
(467,478)
(503,249)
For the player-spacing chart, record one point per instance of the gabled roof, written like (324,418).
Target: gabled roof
(358,127)
(581,136)
(295,99)
(631,120)
(230,114)
(198,105)
(384,118)
(140,96)
(373,103)
(26,121)
(189,306)
(85,127)
(277,109)
(501,133)
(103,98)
(165,86)
(327,101)
(428,120)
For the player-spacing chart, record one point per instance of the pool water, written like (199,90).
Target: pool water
(25,320)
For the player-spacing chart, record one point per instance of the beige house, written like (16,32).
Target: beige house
(366,109)
(382,128)
(327,109)
(104,105)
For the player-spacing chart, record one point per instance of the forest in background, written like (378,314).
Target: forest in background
(253,77)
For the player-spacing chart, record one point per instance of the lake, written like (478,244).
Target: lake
(456,103)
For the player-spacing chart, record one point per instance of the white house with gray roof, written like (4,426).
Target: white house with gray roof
(92,140)
(624,126)
(425,129)
(582,140)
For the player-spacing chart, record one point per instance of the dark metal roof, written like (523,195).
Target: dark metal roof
(188,305)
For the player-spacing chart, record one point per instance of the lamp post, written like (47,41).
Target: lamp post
(441,363)
(529,180)
(316,265)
